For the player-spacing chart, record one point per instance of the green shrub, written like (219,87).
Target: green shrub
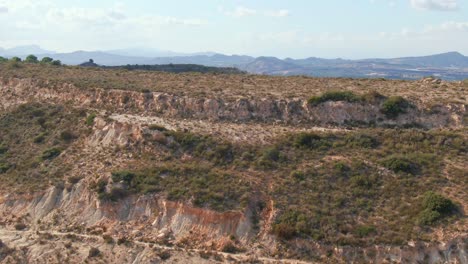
(361,140)
(428,217)
(306,140)
(157,127)
(269,158)
(15,59)
(164,255)
(31,59)
(297,175)
(93,252)
(334,96)
(3,59)
(50,153)
(20,226)
(310,141)
(67,136)
(362,181)
(436,202)
(108,239)
(372,97)
(56,63)
(400,164)
(46,60)
(124,176)
(3,149)
(272,154)
(39,138)
(90,119)
(394,106)
(284,231)
(229,247)
(4,167)
(341,168)
(364,231)
(435,207)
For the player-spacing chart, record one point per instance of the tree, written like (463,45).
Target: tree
(47,60)
(2,59)
(16,59)
(56,63)
(31,59)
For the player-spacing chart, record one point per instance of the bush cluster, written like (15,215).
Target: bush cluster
(393,106)
(435,207)
(346,96)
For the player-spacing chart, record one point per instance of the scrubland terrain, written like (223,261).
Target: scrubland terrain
(115,166)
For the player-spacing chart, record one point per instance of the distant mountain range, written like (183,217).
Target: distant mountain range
(450,66)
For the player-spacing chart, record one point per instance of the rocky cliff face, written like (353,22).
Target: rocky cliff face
(294,111)
(150,220)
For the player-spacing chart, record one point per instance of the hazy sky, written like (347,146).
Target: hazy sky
(292,28)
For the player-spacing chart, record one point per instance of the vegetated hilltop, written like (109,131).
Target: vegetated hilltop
(146,166)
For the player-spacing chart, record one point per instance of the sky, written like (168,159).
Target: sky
(294,28)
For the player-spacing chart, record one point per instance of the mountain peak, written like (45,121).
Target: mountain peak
(453,54)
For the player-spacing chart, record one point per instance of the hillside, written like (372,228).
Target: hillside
(132,166)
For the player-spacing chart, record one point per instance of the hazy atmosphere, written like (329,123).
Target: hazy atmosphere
(233,131)
(297,28)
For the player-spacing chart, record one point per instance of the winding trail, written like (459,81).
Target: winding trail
(11,236)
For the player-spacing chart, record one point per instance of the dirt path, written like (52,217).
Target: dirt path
(245,132)
(23,239)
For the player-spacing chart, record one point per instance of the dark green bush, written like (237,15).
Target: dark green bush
(269,158)
(46,60)
(272,154)
(394,106)
(15,59)
(90,119)
(124,176)
(334,96)
(436,202)
(108,239)
(435,207)
(67,136)
(306,140)
(164,255)
(50,153)
(297,175)
(93,252)
(284,231)
(20,226)
(3,149)
(4,167)
(364,231)
(372,97)
(361,140)
(400,164)
(31,59)
(157,127)
(429,217)
(310,141)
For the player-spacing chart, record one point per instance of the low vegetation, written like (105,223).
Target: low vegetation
(31,140)
(231,86)
(435,207)
(180,68)
(350,188)
(394,106)
(346,96)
